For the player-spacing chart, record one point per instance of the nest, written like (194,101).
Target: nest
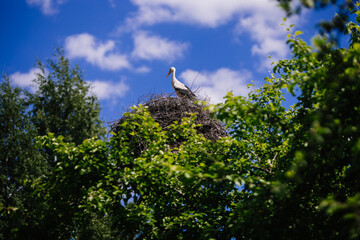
(166,109)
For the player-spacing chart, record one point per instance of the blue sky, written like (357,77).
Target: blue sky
(126,47)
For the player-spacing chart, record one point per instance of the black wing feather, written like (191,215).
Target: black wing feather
(186,93)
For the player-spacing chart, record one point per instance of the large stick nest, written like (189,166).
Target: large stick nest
(166,109)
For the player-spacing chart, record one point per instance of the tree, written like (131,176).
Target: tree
(333,28)
(63,104)
(314,193)
(283,173)
(19,161)
(164,193)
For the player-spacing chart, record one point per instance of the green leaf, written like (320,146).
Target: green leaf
(298,33)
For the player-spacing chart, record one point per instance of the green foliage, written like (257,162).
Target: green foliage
(19,162)
(62,104)
(313,191)
(64,189)
(284,173)
(182,193)
(333,28)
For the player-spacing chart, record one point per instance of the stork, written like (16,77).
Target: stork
(181,90)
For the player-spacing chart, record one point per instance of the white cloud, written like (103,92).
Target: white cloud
(48,7)
(112,3)
(209,13)
(266,31)
(149,47)
(25,80)
(106,90)
(270,46)
(216,84)
(260,19)
(101,54)
(142,69)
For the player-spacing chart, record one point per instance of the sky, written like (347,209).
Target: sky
(126,47)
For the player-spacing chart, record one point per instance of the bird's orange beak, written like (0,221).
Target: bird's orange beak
(168,74)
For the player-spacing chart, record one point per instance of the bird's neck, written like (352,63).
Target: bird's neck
(173,77)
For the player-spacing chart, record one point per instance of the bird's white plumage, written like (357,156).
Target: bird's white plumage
(180,88)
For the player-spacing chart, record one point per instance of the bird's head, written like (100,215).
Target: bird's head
(172,69)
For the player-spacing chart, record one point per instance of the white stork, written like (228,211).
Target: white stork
(181,90)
